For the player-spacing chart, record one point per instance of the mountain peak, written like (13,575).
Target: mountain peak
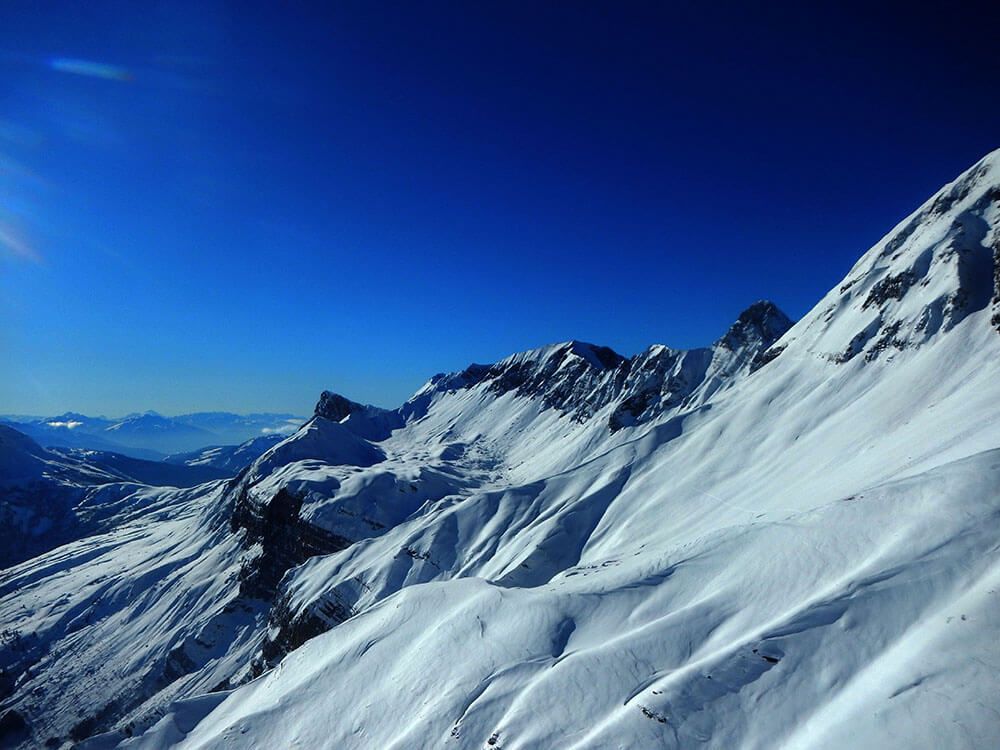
(600,357)
(70,416)
(761,324)
(335,407)
(366,421)
(592,355)
(762,309)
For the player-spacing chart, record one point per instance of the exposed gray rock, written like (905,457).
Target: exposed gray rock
(891,287)
(285,540)
(760,323)
(995,319)
(334,406)
(766,357)
(579,379)
(887,340)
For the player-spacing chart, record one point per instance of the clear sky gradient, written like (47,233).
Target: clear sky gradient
(231,206)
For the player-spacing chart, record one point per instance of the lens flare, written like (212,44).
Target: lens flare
(90,68)
(16,246)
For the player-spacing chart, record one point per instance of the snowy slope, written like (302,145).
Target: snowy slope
(43,491)
(227,458)
(785,539)
(830,627)
(109,620)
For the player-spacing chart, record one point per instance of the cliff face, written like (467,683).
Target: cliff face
(277,539)
(280,539)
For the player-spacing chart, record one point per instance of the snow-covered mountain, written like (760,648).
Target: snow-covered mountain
(152,431)
(74,431)
(228,458)
(785,539)
(47,494)
(150,435)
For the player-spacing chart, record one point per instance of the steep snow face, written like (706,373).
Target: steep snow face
(141,612)
(787,632)
(760,544)
(935,269)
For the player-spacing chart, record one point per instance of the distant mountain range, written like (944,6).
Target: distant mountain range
(51,496)
(150,435)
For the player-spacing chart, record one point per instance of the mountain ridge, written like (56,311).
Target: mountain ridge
(683,547)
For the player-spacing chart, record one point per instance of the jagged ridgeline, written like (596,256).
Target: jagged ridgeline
(570,548)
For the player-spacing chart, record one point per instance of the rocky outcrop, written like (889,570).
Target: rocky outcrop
(562,376)
(580,379)
(288,628)
(760,325)
(766,357)
(284,540)
(365,421)
(891,287)
(939,268)
(334,406)
(995,319)
(658,379)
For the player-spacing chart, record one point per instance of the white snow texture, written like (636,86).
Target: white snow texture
(786,540)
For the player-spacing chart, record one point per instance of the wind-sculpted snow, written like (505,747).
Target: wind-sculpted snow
(784,539)
(782,632)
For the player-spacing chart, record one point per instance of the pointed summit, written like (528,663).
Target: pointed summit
(760,325)
(366,421)
(335,407)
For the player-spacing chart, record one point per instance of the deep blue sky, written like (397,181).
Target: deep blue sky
(236,208)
